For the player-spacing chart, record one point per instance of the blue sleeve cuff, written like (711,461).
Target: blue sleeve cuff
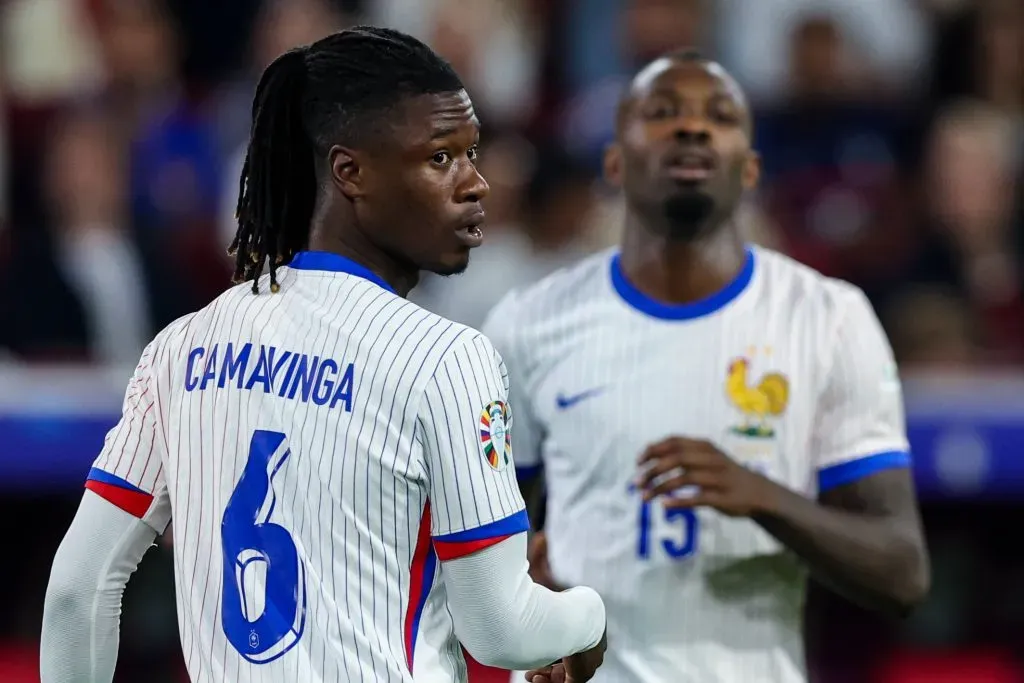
(527,472)
(508,526)
(858,468)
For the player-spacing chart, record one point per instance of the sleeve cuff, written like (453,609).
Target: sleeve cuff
(119,492)
(527,472)
(463,543)
(862,466)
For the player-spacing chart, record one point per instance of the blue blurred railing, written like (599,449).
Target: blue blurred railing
(967,431)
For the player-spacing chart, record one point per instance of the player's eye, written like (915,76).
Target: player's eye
(660,110)
(473,153)
(441,158)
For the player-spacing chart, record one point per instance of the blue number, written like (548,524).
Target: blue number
(263,616)
(678,546)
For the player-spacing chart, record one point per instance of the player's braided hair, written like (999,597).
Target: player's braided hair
(330,92)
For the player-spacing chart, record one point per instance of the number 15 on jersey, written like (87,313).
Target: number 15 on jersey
(671,532)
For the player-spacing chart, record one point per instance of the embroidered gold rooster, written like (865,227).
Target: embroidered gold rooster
(757,403)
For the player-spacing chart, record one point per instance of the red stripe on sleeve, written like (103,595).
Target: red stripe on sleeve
(454,550)
(135,503)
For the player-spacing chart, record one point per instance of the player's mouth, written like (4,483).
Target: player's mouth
(691,165)
(471,231)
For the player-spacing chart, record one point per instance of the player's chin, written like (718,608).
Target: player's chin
(452,263)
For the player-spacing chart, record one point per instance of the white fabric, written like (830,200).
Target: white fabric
(517,624)
(322,442)
(693,595)
(82,612)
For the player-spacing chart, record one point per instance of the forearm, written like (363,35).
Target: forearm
(506,620)
(871,559)
(81,615)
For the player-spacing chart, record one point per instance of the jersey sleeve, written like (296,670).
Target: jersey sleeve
(465,430)
(500,328)
(129,469)
(860,428)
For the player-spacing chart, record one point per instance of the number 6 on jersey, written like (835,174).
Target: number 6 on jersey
(264,603)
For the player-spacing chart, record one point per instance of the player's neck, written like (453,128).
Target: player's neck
(352,245)
(677,271)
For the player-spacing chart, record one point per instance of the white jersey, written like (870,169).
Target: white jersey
(319,449)
(785,370)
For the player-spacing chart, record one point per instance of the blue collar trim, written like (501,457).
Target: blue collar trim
(335,263)
(688,311)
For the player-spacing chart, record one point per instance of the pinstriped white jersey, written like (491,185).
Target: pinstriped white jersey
(785,370)
(319,450)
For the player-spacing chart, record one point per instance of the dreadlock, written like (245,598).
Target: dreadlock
(334,91)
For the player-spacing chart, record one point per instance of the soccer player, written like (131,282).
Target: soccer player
(712,418)
(336,460)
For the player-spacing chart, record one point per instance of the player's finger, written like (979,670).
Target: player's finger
(711,499)
(687,462)
(656,470)
(690,455)
(701,480)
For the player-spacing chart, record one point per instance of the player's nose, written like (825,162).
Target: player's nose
(692,130)
(472,186)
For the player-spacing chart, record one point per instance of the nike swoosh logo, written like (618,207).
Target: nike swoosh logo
(566,402)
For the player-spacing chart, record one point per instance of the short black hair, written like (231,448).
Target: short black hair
(333,91)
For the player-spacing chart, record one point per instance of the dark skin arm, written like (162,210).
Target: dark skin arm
(536,500)
(862,539)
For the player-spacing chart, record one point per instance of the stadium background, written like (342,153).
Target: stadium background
(892,133)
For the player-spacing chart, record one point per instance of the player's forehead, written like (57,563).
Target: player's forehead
(426,119)
(685,79)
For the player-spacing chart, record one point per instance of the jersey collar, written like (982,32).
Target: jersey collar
(696,309)
(336,263)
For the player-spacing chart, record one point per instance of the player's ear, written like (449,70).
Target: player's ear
(613,164)
(347,172)
(752,170)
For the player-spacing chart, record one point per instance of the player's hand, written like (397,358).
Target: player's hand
(540,569)
(577,668)
(716,480)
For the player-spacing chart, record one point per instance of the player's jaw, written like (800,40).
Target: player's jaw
(456,241)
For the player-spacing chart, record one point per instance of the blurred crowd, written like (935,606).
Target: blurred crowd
(892,135)
(891,132)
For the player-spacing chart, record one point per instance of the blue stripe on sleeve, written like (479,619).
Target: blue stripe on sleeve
(513,524)
(864,466)
(96,474)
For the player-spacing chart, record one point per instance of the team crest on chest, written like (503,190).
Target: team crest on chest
(759,400)
(495,435)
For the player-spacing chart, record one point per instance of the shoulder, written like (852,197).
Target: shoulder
(797,289)
(193,327)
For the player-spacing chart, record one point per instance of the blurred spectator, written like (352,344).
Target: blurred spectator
(887,41)
(88,285)
(597,71)
(493,44)
(832,177)
(973,221)
(47,50)
(1000,75)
